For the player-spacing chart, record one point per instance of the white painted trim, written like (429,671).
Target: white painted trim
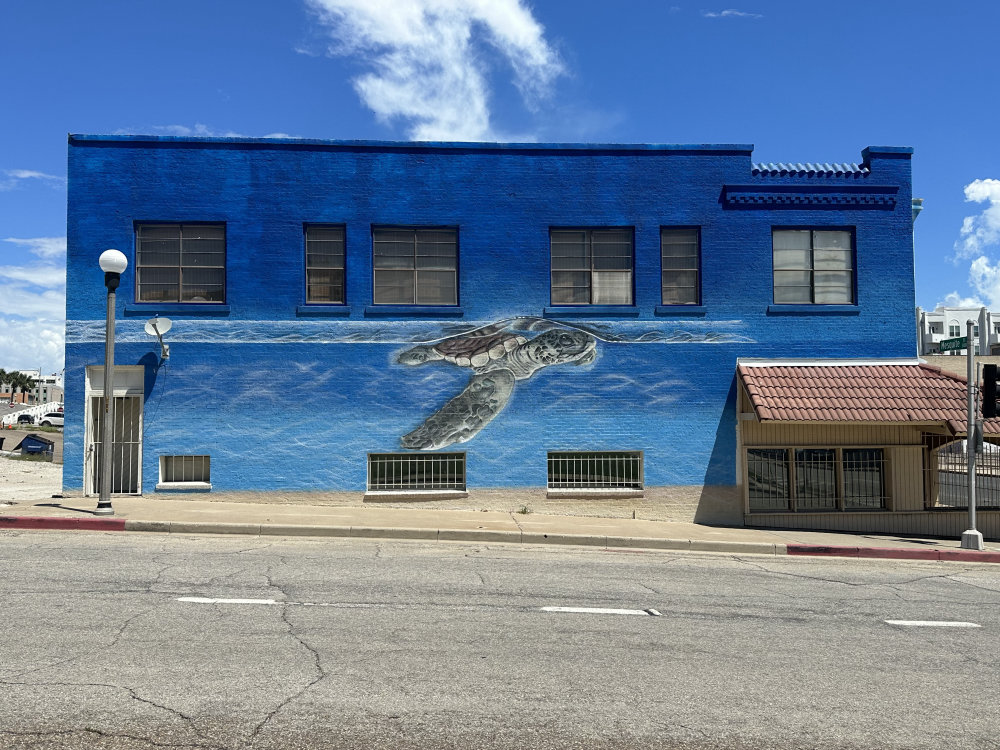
(190,486)
(888,361)
(402,495)
(597,493)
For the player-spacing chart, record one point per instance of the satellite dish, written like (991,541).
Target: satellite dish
(158,326)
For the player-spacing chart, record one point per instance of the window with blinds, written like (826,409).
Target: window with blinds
(591,266)
(813,267)
(415,266)
(180,263)
(325,264)
(680,264)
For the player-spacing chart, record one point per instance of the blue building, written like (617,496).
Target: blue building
(417,318)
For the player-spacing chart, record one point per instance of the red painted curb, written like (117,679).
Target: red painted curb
(963,555)
(817,550)
(970,555)
(44,522)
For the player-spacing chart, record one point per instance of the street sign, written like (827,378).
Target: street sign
(953,345)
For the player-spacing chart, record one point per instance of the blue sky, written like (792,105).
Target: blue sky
(801,80)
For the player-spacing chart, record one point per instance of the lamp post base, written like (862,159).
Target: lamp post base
(972,539)
(107,510)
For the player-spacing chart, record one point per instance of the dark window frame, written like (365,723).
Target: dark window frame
(697,265)
(812,269)
(590,268)
(309,284)
(788,479)
(180,266)
(417,231)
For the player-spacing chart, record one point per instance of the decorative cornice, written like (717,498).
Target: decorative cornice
(782,169)
(795,196)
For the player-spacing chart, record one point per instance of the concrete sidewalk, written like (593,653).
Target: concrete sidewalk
(170,515)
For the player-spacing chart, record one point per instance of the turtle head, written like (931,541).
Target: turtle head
(418,355)
(563,346)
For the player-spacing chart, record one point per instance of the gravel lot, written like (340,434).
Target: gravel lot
(26,481)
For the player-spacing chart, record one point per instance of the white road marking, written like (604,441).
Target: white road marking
(933,624)
(601,611)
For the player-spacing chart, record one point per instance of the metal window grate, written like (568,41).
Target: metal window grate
(819,479)
(949,474)
(409,471)
(816,479)
(767,478)
(595,470)
(185,469)
(864,478)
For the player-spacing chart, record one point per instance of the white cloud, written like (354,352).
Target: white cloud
(981,231)
(43,247)
(46,276)
(984,276)
(730,13)
(13,178)
(33,304)
(29,344)
(954,299)
(427,60)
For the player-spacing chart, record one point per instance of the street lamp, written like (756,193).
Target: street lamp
(113,263)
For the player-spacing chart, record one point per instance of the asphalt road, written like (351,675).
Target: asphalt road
(105,643)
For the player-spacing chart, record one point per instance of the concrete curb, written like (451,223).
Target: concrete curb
(961,555)
(493,536)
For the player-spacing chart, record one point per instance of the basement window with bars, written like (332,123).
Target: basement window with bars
(185,472)
(815,479)
(595,470)
(410,472)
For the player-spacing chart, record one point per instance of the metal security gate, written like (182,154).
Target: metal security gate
(126,445)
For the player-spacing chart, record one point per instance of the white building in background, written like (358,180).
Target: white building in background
(48,388)
(942,323)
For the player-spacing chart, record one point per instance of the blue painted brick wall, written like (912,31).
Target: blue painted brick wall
(283,400)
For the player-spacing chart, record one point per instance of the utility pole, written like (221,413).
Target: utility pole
(971,538)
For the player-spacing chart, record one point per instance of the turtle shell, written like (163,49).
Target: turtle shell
(477,348)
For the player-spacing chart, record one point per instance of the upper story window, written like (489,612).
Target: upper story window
(954,329)
(180,263)
(324,264)
(680,280)
(591,266)
(415,266)
(813,267)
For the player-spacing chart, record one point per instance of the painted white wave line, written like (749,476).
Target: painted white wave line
(932,624)
(603,611)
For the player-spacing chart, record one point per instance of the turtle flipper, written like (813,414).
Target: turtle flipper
(465,415)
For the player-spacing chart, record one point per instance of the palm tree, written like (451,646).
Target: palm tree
(3,379)
(19,382)
(28,384)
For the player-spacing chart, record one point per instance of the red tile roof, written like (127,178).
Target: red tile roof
(896,393)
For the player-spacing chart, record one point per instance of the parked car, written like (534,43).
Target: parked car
(52,419)
(25,419)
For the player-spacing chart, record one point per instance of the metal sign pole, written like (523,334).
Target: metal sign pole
(971,538)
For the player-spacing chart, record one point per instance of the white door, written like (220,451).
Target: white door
(126,445)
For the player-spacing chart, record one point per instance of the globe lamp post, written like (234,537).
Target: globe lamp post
(113,263)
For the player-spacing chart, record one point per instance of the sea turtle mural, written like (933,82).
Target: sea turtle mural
(498,357)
